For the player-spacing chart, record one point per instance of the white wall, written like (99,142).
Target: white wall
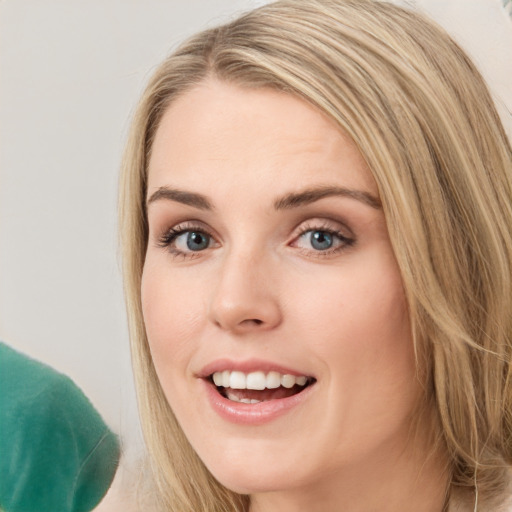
(70,75)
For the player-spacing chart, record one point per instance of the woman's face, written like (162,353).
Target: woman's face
(269,267)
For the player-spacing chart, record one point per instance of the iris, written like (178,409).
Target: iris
(197,241)
(321,240)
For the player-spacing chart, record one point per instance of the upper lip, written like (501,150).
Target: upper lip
(247,366)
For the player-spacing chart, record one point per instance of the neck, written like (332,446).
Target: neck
(414,479)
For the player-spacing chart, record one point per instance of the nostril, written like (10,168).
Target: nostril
(252,321)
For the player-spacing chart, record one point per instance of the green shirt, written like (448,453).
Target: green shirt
(56,453)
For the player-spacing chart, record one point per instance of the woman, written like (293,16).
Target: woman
(317,235)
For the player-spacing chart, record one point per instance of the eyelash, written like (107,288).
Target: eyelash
(345,241)
(169,237)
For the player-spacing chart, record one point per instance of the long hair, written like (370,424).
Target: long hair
(424,121)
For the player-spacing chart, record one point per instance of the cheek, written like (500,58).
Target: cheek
(172,317)
(365,297)
(358,324)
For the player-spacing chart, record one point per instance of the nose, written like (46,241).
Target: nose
(246,297)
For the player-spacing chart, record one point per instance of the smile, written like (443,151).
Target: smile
(257,386)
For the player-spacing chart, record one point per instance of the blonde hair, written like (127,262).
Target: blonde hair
(423,119)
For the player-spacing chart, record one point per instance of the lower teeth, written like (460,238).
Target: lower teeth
(234,398)
(258,396)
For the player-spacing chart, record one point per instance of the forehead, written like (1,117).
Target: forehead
(219,135)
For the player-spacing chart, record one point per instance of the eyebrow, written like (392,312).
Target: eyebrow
(311,195)
(181,196)
(286,202)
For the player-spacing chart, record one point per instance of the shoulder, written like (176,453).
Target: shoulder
(38,402)
(54,444)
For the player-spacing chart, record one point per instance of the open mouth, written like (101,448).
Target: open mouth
(257,387)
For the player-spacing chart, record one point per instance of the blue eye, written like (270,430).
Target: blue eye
(321,240)
(197,241)
(184,240)
(194,241)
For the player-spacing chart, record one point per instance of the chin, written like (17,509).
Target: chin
(248,475)
(251,482)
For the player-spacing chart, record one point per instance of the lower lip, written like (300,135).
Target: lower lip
(253,414)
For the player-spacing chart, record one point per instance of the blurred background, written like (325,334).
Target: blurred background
(70,75)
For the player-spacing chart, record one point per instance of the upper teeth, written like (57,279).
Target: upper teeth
(256,380)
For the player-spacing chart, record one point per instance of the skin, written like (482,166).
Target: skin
(262,290)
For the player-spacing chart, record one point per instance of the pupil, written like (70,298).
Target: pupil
(321,240)
(197,241)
